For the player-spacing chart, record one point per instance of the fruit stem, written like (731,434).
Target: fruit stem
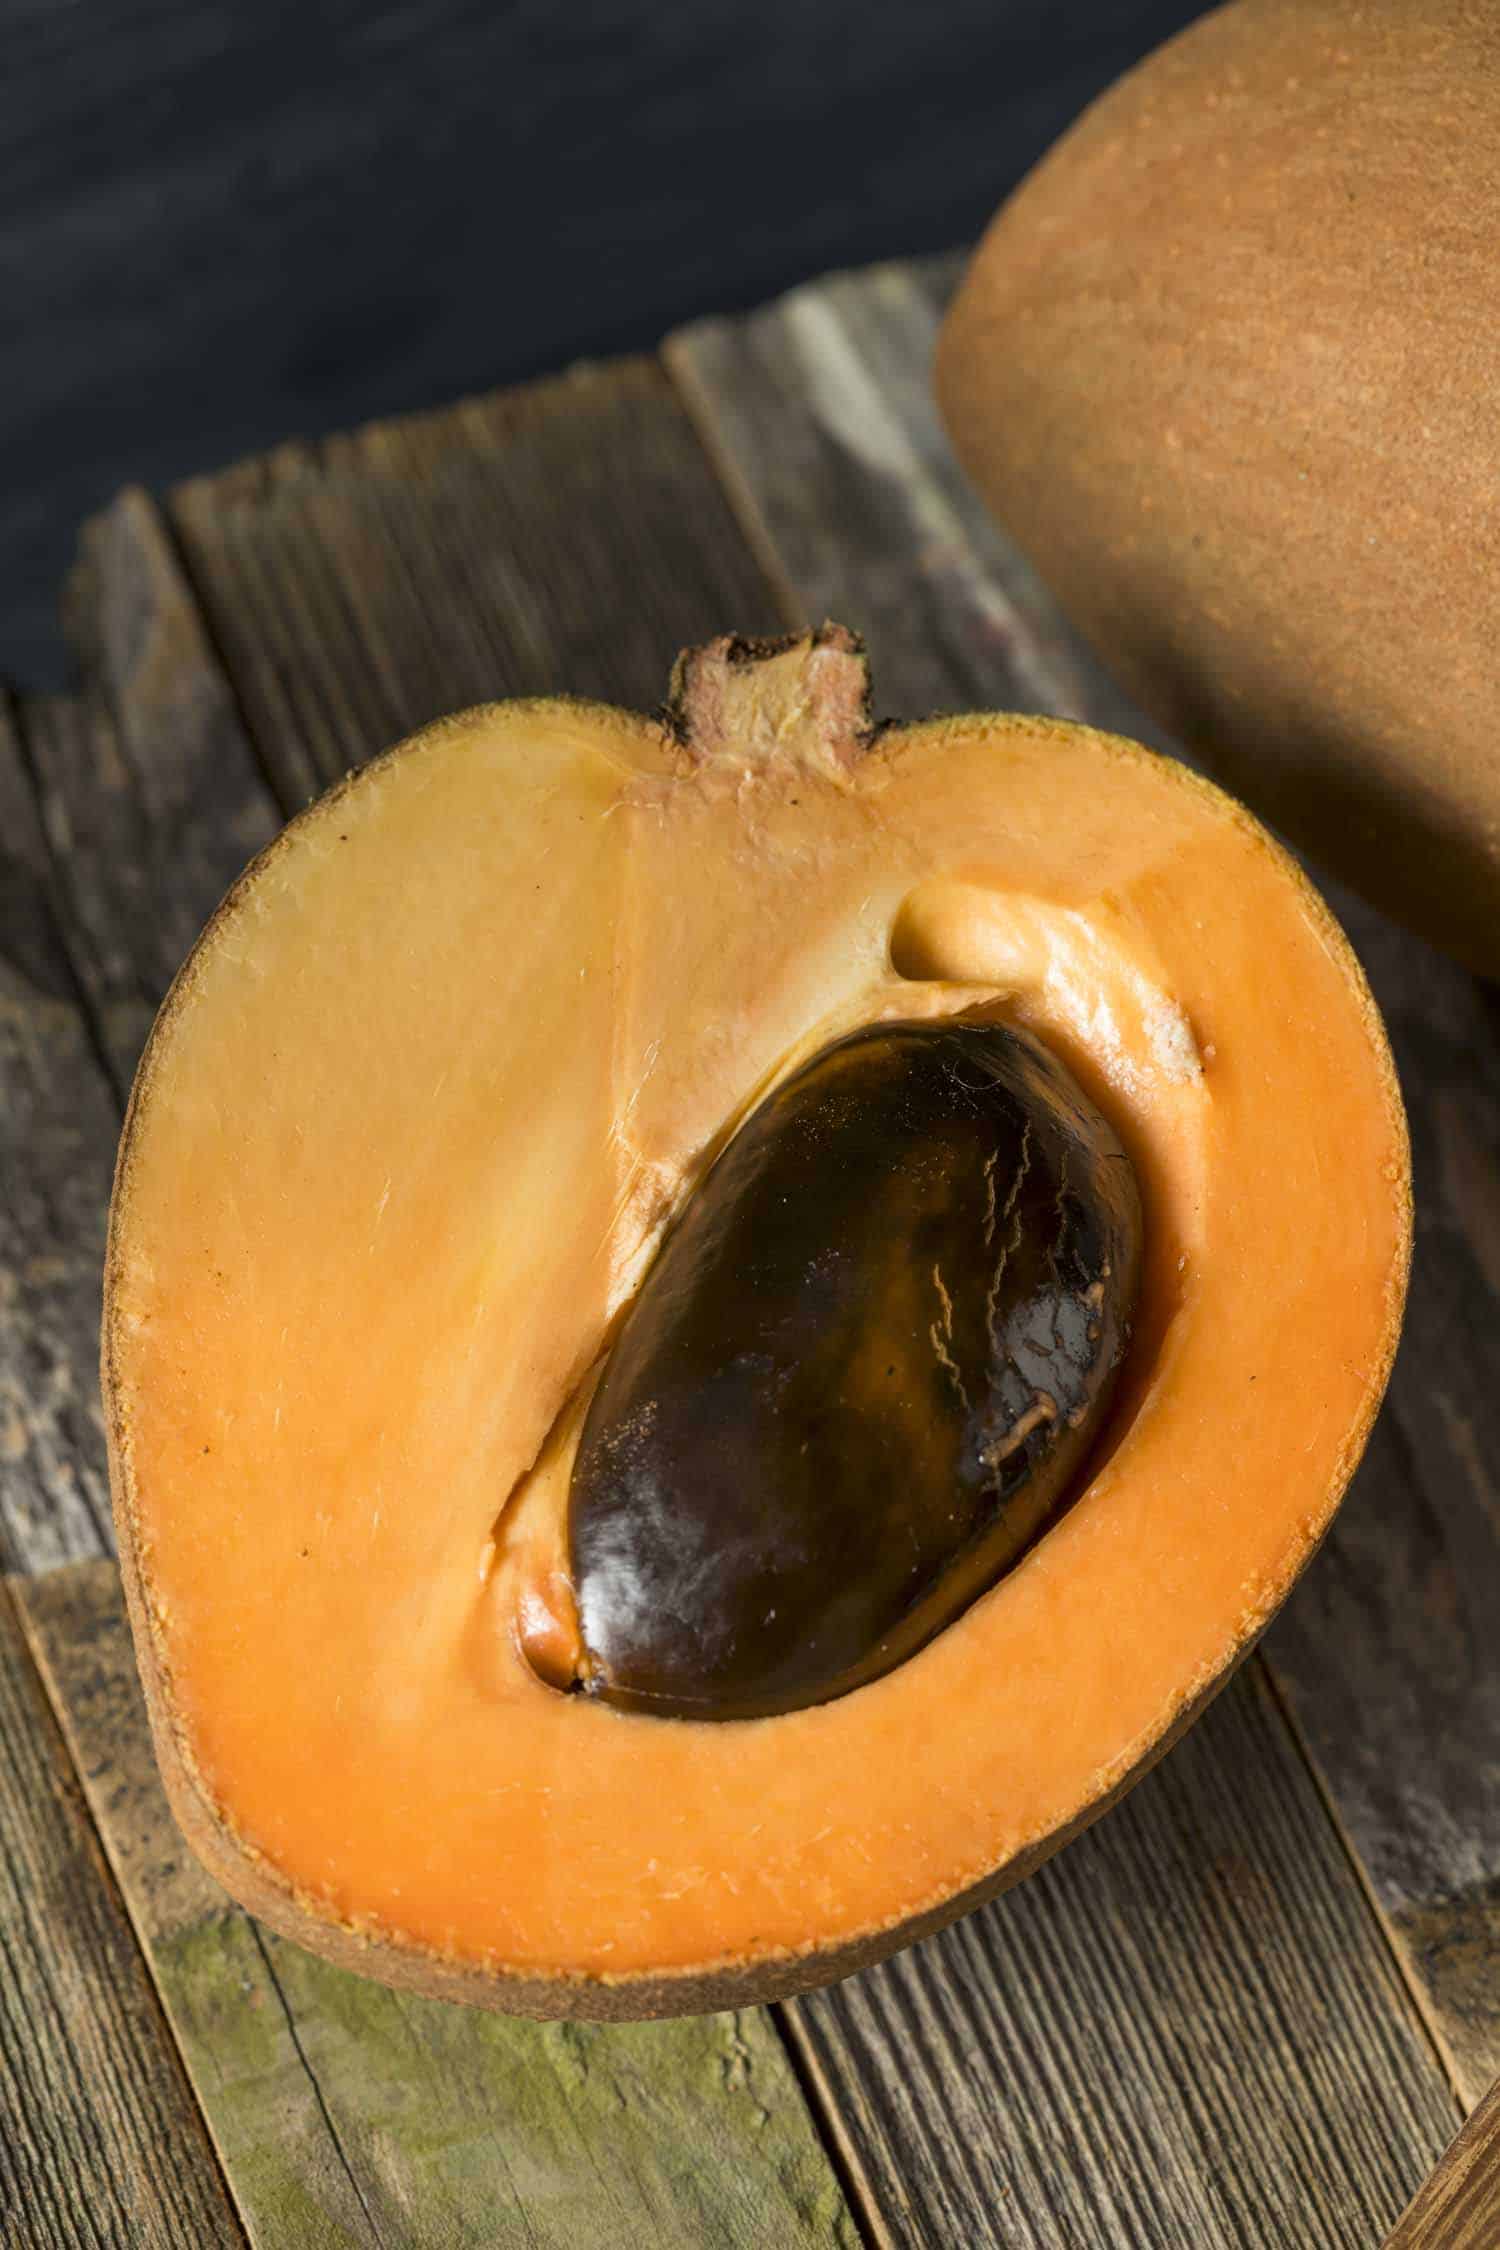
(801,701)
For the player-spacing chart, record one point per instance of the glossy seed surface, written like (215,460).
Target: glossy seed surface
(863,1373)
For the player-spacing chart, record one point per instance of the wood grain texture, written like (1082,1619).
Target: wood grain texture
(820,410)
(100,2142)
(564,538)
(346,2113)
(150,795)
(57,1130)
(241,2047)
(1390,1654)
(1186,2030)
(390,576)
(1458,2207)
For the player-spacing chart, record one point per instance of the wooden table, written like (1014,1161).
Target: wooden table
(1251,2007)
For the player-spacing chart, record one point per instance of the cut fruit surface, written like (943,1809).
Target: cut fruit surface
(417,1119)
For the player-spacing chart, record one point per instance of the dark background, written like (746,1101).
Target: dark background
(223,222)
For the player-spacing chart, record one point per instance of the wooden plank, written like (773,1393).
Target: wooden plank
(346,2113)
(562,537)
(57,1127)
(819,409)
(822,407)
(342,2112)
(1184,2030)
(99,2139)
(1458,2208)
(1388,1654)
(151,797)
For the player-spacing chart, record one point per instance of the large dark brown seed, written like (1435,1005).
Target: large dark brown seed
(863,1372)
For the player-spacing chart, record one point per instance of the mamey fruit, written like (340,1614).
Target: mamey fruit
(598,1180)
(1223,365)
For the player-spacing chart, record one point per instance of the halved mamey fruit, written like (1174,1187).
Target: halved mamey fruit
(716,1329)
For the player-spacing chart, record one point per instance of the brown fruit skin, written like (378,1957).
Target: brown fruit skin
(1224,366)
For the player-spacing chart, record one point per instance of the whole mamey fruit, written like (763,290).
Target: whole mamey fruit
(1225,367)
(717,1328)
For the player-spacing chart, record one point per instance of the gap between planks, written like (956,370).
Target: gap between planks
(1458,2206)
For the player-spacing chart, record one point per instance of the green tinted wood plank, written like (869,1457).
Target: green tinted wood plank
(100,2140)
(1458,2207)
(822,406)
(1189,2024)
(427,2124)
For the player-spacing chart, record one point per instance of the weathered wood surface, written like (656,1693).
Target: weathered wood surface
(1390,1656)
(346,2113)
(342,2113)
(1187,2031)
(412,568)
(1458,2208)
(820,408)
(567,536)
(100,2139)
(57,1126)
(151,797)
(819,414)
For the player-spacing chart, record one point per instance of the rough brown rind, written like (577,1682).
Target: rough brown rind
(712,1984)
(1222,366)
